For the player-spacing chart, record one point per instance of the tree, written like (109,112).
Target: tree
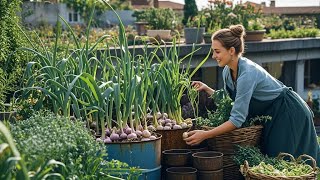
(190,10)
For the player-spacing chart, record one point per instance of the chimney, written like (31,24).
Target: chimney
(263,4)
(273,3)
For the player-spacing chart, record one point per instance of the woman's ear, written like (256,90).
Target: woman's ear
(232,51)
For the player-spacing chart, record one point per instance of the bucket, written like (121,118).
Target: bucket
(209,175)
(208,160)
(181,173)
(177,157)
(145,155)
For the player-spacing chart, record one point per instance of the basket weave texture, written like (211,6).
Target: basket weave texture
(225,143)
(249,175)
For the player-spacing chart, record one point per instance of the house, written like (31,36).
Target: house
(46,13)
(309,11)
(142,4)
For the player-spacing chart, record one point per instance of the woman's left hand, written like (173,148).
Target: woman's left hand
(196,137)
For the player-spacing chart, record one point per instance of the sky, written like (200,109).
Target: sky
(279,3)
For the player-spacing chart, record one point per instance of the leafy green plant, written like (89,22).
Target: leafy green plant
(13,166)
(252,154)
(273,166)
(255,24)
(297,33)
(45,136)
(158,18)
(231,15)
(222,113)
(12,63)
(256,121)
(197,21)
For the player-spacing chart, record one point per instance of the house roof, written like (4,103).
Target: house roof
(252,4)
(142,4)
(170,4)
(291,10)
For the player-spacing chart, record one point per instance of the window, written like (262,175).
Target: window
(73,17)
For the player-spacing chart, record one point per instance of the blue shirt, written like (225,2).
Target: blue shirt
(252,81)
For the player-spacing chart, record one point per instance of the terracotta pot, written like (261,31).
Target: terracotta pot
(256,35)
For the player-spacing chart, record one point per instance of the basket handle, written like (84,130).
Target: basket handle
(314,164)
(245,168)
(282,155)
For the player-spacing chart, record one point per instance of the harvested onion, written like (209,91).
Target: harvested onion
(185,135)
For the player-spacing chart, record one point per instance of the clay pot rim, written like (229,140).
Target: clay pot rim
(208,172)
(198,154)
(192,170)
(182,151)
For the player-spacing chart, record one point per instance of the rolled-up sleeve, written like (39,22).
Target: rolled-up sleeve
(246,83)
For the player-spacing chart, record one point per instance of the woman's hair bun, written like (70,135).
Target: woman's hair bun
(237,30)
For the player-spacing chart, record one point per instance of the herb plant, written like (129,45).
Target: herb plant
(13,165)
(222,113)
(45,136)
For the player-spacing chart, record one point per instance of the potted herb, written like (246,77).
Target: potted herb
(255,31)
(194,29)
(160,22)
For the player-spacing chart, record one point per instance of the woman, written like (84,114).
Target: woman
(255,92)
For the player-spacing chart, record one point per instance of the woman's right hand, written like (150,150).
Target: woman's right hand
(200,86)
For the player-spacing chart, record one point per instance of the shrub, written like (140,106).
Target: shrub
(158,18)
(44,137)
(11,62)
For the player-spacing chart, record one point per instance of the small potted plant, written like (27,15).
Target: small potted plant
(160,22)
(255,31)
(194,29)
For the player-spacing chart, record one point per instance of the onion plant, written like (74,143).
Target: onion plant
(114,87)
(175,79)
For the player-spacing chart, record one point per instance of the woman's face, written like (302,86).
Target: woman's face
(221,54)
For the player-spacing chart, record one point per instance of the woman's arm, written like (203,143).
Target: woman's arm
(197,136)
(200,86)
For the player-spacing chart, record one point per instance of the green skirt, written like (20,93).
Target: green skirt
(291,129)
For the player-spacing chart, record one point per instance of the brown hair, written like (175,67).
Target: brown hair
(231,37)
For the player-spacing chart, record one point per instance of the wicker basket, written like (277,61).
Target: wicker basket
(249,136)
(249,175)
(225,143)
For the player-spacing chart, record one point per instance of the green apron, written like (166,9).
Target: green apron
(291,129)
